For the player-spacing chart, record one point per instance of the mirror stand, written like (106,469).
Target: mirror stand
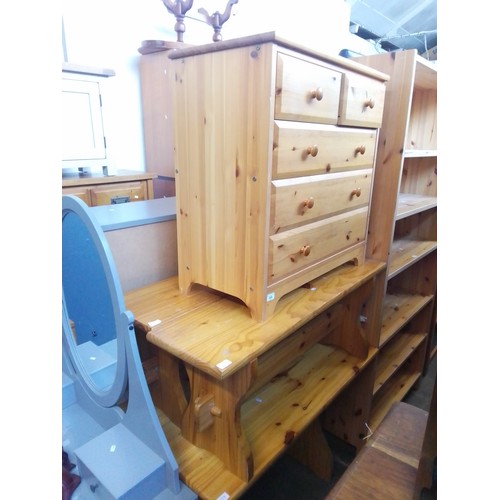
(116,452)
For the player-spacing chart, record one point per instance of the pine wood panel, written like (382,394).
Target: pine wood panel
(405,252)
(411,204)
(419,176)
(205,328)
(422,128)
(297,83)
(157,112)
(295,201)
(395,390)
(362,101)
(301,246)
(394,355)
(282,409)
(223,208)
(336,149)
(397,311)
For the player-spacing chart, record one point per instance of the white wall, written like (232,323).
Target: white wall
(108,33)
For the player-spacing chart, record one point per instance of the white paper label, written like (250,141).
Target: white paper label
(224,364)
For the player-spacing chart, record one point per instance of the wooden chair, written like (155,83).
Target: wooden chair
(397,461)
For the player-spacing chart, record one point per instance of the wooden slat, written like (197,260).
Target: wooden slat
(396,390)
(397,310)
(387,466)
(411,204)
(284,407)
(394,355)
(405,253)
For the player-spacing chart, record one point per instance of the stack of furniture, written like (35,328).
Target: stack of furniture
(289,315)
(403,225)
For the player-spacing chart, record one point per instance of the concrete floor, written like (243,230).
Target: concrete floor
(287,479)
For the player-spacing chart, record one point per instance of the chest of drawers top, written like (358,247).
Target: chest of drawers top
(274,149)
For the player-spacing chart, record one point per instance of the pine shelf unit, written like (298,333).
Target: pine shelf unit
(405,185)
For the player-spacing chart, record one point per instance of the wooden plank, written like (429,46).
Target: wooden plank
(271,419)
(397,310)
(389,157)
(347,415)
(404,253)
(395,390)
(205,329)
(282,409)
(273,37)
(312,450)
(387,466)
(378,477)
(394,356)
(411,204)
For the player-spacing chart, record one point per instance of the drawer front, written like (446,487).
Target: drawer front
(81,192)
(303,199)
(293,250)
(306,91)
(123,192)
(305,149)
(362,101)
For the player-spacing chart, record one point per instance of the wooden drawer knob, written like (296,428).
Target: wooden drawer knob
(370,103)
(305,250)
(356,192)
(361,150)
(312,150)
(309,203)
(317,94)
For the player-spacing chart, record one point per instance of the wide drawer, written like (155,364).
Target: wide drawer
(123,192)
(361,101)
(303,199)
(292,250)
(305,149)
(306,91)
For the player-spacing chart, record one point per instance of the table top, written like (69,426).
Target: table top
(138,213)
(79,179)
(216,333)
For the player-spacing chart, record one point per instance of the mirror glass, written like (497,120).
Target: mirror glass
(88,303)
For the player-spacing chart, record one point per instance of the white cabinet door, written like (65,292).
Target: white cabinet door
(82,129)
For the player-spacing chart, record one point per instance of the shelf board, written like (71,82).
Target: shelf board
(397,310)
(404,253)
(425,74)
(392,357)
(284,406)
(291,402)
(411,204)
(398,389)
(419,153)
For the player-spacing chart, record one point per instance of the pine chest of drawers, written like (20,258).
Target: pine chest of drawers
(274,153)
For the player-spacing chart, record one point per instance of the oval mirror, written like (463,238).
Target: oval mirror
(92,305)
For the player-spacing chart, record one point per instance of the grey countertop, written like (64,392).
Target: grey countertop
(138,213)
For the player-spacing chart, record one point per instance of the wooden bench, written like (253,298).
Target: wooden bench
(397,461)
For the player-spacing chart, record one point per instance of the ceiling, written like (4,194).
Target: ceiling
(396,24)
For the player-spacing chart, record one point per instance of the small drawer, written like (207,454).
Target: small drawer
(304,199)
(362,101)
(81,192)
(293,250)
(306,91)
(305,149)
(123,192)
